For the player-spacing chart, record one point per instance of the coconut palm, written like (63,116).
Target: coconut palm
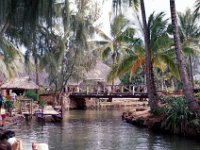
(161,53)
(189,33)
(187,87)
(112,44)
(151,89)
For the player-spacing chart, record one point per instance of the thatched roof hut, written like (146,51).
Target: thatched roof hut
(100,73)
(24,83)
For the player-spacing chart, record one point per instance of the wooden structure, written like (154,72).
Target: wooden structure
(108,91)
(18,85)
(23,102)
(48,111)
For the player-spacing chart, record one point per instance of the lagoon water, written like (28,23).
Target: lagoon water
(98,130)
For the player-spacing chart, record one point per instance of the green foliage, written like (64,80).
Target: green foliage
(177,114)
(161,53)
(197,95)
(197,82)
(137,79)
(157,111)
(31,94)
(8,104)
(43,102)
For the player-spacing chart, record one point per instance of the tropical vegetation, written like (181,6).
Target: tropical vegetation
(55,38)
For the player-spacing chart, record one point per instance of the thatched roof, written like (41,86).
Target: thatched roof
(100,73)
(20,83)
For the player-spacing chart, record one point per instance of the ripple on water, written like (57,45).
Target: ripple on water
(98,130)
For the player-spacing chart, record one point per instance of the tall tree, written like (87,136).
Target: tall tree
(112,45)
(19,21)
(187,88)
(189,34)
(151,89)
(160,44)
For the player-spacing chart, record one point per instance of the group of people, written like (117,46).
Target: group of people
(8,141)
(2,111)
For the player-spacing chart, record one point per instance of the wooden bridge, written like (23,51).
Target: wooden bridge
(107,91)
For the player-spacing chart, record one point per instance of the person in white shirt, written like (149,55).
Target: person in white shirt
(14,96)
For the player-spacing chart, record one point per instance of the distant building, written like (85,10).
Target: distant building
(18,86)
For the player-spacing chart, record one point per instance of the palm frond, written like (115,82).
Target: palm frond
(128,36)
(105,53)
(137,63)
(173,67)
(159,63)
(121,68)
(197,9)
(102,34)
(118,25)
(7,50)
(135,4)
(190,51)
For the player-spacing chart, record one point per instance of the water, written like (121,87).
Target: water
(98,130)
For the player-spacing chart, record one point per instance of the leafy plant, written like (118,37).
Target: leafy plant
(43,102)
(197,95)
(8,104)
(31,94)
(177,114)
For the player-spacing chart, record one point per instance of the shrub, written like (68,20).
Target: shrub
(8,104)
(177,114)
(31,94)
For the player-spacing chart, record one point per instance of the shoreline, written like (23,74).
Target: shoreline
(143,118)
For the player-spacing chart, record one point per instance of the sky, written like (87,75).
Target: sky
(150,6)
(163,5)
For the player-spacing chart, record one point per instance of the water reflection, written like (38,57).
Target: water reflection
(98,130)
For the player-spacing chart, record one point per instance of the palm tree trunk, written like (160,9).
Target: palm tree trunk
(191,71)
(187,88)
(151,89)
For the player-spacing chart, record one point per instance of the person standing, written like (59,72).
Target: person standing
(14,96)
(1,102)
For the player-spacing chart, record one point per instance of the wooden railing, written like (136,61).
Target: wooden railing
(98,89)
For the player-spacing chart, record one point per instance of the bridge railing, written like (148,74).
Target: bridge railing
(98,89)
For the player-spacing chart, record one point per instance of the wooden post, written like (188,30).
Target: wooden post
(122,89)
(78,89)
(98,89)
(133,90)
(87,89)
(31,108)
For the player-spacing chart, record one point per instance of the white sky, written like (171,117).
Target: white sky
(151,6)
(163,5)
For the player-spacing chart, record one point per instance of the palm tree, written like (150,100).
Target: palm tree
(160,43)
(151,89)
(112,44)
(189,33)
(187,88)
